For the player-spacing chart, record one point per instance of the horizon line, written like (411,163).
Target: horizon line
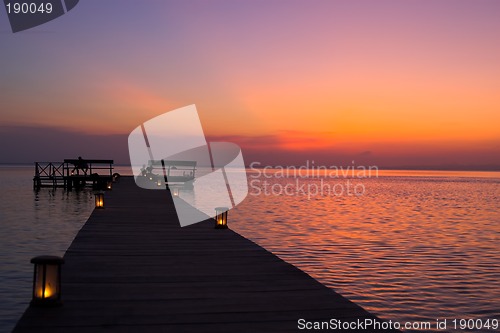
(465,168)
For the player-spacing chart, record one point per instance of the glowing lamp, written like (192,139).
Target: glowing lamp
(99,200)
(175,191)
(158,182)
(47,281)
(221,217)
(109,185)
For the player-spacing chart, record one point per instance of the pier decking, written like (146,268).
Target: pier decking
(132,268)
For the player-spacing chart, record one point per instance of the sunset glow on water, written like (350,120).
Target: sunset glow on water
(417,245)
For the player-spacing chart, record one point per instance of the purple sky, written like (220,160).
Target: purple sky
(392,83)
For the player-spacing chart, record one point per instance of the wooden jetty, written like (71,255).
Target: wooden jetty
(72,174)
(167,172)
(132,268)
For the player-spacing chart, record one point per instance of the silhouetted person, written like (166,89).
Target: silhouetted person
(81,164)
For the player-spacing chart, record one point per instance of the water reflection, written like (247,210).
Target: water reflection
(32,223)
(411,248)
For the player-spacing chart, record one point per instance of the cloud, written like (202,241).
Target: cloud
(27,144)
(295,147)
(283,140)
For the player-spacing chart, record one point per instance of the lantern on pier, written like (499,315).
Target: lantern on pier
(221,217)
(47,281)
(109,185)
(175,192)
(99,200)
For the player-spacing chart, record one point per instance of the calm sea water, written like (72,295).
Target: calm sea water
(31,224)
(413,246)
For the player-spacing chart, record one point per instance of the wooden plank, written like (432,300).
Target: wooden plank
(133,268)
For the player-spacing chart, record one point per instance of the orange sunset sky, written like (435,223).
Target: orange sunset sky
(388,83)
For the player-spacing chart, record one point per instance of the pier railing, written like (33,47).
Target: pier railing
(74,167)
(48,174)
(72,173)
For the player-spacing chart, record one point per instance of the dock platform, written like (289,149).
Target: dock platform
(73,173)
(132,268)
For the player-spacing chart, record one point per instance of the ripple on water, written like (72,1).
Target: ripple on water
(32,224)
(411,248)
